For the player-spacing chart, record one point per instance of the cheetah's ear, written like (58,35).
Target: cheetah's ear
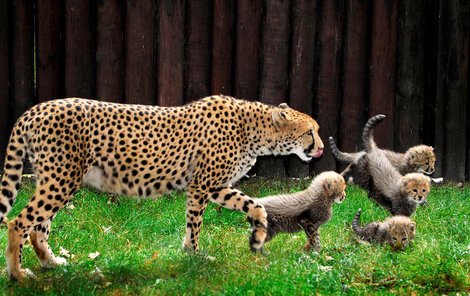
(283,106)
(413,225)
(280,118)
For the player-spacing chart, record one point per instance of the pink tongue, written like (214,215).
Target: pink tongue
(318,153)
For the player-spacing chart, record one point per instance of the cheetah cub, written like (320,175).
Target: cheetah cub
(397,231)
(417,159)
(305,210)
(375,173)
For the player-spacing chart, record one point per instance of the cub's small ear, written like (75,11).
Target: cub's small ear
(432,148)
(327,185)
(280,118)
(283,106)
(413,226)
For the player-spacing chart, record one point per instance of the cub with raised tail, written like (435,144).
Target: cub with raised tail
(397,231)
(305,210)
(374,172)
(417,159)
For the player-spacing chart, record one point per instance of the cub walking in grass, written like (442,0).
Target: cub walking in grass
(305,210)
(397,231)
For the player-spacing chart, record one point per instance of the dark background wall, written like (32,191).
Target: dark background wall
(339,60)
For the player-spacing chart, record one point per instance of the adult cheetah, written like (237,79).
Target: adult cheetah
(145,151)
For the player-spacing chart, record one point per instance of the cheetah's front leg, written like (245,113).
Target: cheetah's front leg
(234,199)
(196,203)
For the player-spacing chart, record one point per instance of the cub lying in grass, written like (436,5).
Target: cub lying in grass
(397,231)
(305,210)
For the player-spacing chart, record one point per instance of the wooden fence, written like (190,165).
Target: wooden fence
(339,60)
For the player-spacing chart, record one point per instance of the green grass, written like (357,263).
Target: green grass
(141,253)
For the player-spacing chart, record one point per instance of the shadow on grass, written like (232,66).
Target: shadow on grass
(119,278)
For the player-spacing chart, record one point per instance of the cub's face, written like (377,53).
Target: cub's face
(401,232)
(416,187)
(334,186)
(296,133)
(422,159)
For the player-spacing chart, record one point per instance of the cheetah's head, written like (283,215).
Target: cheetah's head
(401,232)
(296,133)
(415,186)
(422,159)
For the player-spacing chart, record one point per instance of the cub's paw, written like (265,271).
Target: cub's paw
(22,274)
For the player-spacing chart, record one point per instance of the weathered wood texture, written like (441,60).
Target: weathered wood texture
(410,74)
(139,57)
(49,50)
(79,42)
(328,77)
(22,57)
(247,49)
(198,49)
(222,47)
(5,124)
(341,61)
(355,56)
(383,68)
(302,60)
(109,51)
(455,134)
(170,57)
(274,71)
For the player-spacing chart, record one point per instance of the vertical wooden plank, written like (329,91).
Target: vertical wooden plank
(431,21)
(457,83)
(274,71)
(247,51)
(50,50)
(328,90)
(198,49)
(382,68)
(410,74)
(139,55)
(355,61)
(79,74)
(441,93)
(22,57)
(304,20)
(170,48)
(109,51)
(4,80)
(222,47)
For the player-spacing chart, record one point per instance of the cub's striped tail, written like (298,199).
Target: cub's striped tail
(13,170)
(367,132)
(355,224)
(338,154)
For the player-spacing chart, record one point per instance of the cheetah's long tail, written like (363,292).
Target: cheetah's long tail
(355,224)
(367,133)
(13,170)
(338,154)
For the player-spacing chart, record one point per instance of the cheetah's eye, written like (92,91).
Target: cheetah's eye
(424,190)
(394,239)
(403,239)
(415,190)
